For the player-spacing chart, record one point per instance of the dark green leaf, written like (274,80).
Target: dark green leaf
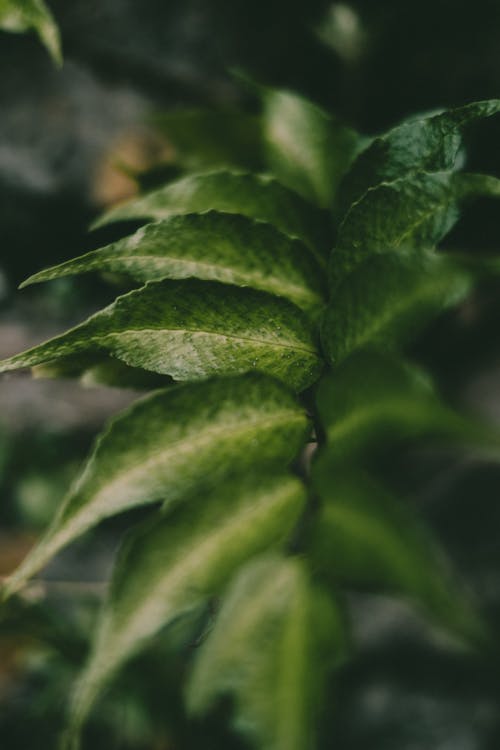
(363,537)
(429,144)
(308,150)
(256,196)
(23,15)
(372,398)
(275,640)
(192,329)
(204,138)
(218,246)
(173,563)
(415,211)
(388,299)
(168,445)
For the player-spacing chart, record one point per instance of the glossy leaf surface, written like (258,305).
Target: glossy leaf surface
(257,196)
(416,211)
(430,144)
(190,330)
(214,246)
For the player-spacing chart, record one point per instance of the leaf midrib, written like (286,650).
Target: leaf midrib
(260,342)
(297,291)
(209,544)
(198,440)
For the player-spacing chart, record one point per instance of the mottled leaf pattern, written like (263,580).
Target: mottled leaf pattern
(416,211)
(191,330)
(256,196)
(429,144)
(214,246)
(169,444)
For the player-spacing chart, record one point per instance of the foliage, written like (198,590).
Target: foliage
(24,15)
(280,342)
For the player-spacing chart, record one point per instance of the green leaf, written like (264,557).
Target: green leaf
(372,398)
(168,445)
(274,642)
(308,150)
(24,15)
(205,138)
(99,369)
(388,299)
(416,211)
(257,196)
(364,538)
(429,144)
(173,563)
(190,330)
(217,246)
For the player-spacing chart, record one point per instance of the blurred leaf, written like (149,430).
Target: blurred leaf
(99,369)
(416,211)
(372,398)
(274,642)
(429,144)
(167,445)
(257,196)
(173,563)
(211,138)
(23,15)
(364,538)
(308,150)
(215,246)
(388,299)
(192,329)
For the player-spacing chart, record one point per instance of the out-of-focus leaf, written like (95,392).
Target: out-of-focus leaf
(389,298)
(190,330)
(257,196)
(24,15)
(209,138)
(275,640)
(173,563)
(372,398)
(168,445)
(308,150)
(364,538)
(215,246)
(100,369)
(416,211)
(429,144)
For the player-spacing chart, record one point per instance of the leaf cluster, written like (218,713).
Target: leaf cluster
(277,308)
